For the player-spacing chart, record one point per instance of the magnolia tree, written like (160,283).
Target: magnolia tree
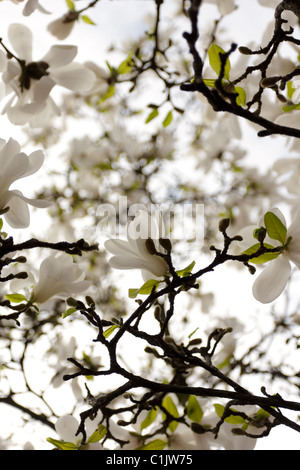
(129,316)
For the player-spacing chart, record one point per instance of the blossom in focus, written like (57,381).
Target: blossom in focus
(30,84)
(66,427)
(134,253)
(15,165)
(59,276)
(271,282)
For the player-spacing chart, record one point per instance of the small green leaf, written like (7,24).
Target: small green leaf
(70,5)
(69,312)
(98,434)
(150,418)
(214,52)
(62,445)
(109,331)
(168,119)
(241,98)
(125,66)
(186,271)
(291,107)
(194,410)
(154,113)
(157,444)
(275,228)
(109,93)
(262,258)
(290,89)
(16,298)
(146,288)
(171,408)
(86,19)
(233,419)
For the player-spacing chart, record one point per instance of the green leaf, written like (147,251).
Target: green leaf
(262,258)
(241,98)
(86,19)
(110,92)
(168,119)
(150,418)
(214,52)
(233,419)
(69,312)
(62,445)
(275,228)
(154,113)
(125,66)
(146,288)
(291,107)
(194,410)
(157,444)
(110,330)
(171,408)
(186,271)
(98,434)
(290,89)
(70,5)
(16,298)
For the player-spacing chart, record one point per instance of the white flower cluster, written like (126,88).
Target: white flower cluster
(27,83)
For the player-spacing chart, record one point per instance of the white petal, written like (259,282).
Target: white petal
(40,203)
(18,214)
(118,247)
(36,160)
(42,89)
(60,56)
(21,39)
(272,281)
(66,427)
(75,77)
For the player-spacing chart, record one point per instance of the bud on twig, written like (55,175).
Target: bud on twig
(224,224)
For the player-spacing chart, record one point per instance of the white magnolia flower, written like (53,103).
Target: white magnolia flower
(273,279)
(62,27)
(225,6)
(59,277)
(31,83)
(66,427)
(31,6)
(133,253)
(15,165)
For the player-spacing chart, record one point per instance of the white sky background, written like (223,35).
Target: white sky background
(117,20)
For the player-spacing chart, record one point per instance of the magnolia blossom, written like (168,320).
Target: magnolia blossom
(31,83)
(273,279)
(31,6)
(15,165)
(225,6)
(66,427)
(59,277)
(62,27)
(133,253)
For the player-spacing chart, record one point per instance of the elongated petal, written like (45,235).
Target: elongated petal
(42,89)
(60,55)
(40,203)
(272,281)
(74,77)
(18,214)
(118,247)
(36,160)
(21,39)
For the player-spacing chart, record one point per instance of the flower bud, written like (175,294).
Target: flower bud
(166,243)
(245,50)
(150,246)
(269,82)
(224,224)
